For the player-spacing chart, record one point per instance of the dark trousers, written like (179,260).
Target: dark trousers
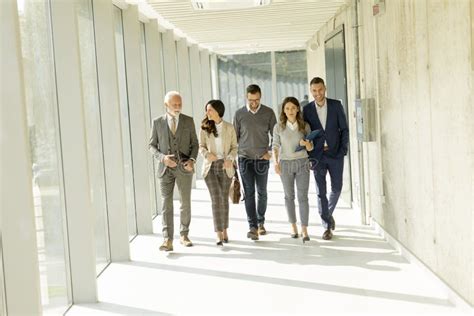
(335,168)
(254,172)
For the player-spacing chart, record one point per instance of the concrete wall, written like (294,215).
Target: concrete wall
(416,62)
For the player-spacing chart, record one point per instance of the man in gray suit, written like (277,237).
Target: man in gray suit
(174,144)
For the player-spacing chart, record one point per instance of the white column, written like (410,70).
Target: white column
(111,130)
(214,77)
(80,215)
(138,122)
(155,68)
(196,79)
(206,76)
(169,59)
(198,100)
(17,217)
(154,53)
(184,77)
(274,85)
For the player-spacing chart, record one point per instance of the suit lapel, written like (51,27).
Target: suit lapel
(314,114)
(225,142)
(330,113)
(164,130)
(180,126)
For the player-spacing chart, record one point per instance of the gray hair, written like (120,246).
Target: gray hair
(171,94)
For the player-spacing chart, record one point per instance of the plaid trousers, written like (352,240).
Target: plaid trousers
(218,184)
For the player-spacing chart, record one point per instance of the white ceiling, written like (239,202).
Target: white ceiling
(282,25)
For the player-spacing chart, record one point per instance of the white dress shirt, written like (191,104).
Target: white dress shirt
(218,141)
(322,114)
(170,121)
(253,112)
(292,126)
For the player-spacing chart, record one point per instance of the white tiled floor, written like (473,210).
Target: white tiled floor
(356,273)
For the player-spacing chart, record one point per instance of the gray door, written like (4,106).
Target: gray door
(337,89)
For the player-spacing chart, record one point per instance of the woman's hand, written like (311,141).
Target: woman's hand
(211,157)
(277,168)
(227,164)
(304,142)
(307,144)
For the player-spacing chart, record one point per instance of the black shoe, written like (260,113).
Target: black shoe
(294,235)
(225,240)
(252,234)
(333,223)
(220,243)
(327,234)
(305,239)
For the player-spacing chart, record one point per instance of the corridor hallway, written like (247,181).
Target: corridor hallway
(356,273)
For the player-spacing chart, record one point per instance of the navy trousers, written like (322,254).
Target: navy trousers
(335,167)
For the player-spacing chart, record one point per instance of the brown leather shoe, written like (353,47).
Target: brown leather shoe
(327,234)
(261,229)
(167,245)
(185,241)
(252,234)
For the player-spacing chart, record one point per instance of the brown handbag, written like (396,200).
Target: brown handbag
(234,193)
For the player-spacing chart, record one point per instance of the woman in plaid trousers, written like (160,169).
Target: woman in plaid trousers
(218,146)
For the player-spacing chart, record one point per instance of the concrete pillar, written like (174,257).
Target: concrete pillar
(80,215)
(17,217)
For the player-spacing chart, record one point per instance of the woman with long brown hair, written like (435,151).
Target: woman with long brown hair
(291,162)
(218,146)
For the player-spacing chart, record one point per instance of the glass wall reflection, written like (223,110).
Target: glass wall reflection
(291,75)
(125,121)
(44,137)
(236,72)
(92,116)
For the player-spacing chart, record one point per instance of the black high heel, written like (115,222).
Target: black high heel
(305,239)
(294,235)
(219,243)
(225,240)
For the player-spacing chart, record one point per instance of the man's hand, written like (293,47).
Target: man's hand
(169,161)
(277,168)
(227,164)
(189,165)
(266,156)
(211,157)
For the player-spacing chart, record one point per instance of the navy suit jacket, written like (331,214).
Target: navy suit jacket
(336,133)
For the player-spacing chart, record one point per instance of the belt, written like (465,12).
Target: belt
(325,148)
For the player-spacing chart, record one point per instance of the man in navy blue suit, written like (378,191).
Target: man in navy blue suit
(329,150)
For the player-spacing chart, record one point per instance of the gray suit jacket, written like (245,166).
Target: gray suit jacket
(159,140)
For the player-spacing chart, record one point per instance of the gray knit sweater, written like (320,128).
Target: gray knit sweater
(287,140)
(253,131)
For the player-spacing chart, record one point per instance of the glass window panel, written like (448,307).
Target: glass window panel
(291,71)
(240,86)
(224,87)
(232,86)
(258,68)
(44,135)
(93,130)
(149,118)
(125,120)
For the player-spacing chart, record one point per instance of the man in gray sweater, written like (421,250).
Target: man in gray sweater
(253,125)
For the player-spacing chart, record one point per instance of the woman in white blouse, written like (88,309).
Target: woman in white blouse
(218,146)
